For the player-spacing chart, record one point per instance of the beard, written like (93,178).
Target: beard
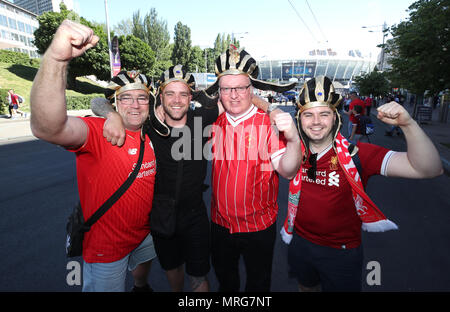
(175,114)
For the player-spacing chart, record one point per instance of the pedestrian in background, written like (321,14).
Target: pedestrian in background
(368,104)
(355,100)
(14,101)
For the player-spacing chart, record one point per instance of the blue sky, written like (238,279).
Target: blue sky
(273,28)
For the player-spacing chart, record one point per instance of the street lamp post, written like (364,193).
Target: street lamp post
(109,38)
(383,31)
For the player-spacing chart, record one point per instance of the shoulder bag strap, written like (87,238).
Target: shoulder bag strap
(107,204)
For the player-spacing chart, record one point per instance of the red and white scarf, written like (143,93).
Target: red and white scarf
(372,218)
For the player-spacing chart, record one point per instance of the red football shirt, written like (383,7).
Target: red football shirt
(101,170)
(352,105)
(326,213)
(244,184)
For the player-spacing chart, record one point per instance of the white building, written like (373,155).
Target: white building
(41,6)
(341,69)
(17,26)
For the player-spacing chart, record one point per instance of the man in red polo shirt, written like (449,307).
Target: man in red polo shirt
(121,237)
(247,156)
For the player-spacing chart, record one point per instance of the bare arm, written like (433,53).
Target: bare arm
(421,160)
(290,162)
(113,129)
(288,165)
(49,120)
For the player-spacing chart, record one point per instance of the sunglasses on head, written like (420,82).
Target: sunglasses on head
(312,170)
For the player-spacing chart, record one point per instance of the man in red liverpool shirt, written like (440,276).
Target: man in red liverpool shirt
(325,251)
(121,237)
(247,157)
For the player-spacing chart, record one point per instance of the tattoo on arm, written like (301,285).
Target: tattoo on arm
(101,107)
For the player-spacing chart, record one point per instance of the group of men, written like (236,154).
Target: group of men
(251,144)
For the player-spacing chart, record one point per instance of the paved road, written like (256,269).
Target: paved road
(38,189)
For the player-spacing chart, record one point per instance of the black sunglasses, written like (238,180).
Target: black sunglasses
(312,170)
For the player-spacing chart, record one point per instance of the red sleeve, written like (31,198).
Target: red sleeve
(95,134)
(374,160)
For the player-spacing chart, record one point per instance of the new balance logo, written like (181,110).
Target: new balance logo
(333,179)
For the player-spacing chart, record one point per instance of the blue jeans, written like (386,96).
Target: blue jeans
(110,277)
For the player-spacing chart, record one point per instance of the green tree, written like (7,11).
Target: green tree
(94,62)
(420,48)
(181,53)
(222,43)
(153,31)
(218,46)
(136,54)
(374,83)
(124,27)
(210,59)
(197,60)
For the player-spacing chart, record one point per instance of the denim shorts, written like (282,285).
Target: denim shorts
(334,269)
(110,277)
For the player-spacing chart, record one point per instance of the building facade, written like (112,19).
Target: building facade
(340,69)
(17,26)
(41,6)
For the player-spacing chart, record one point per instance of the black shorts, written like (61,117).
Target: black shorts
(334,269)
(190,245)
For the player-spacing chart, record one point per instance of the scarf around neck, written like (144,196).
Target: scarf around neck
(372,218)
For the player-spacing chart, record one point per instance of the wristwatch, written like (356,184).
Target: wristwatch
(271,108)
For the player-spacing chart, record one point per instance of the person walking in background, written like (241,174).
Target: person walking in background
(355,100)
(14,101)
(368,104)
(357,133)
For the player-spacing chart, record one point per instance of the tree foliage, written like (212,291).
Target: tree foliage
(94,62)
(222,43)
(420,48)
(181,53)
(153,31)
(136,54)
(374,83)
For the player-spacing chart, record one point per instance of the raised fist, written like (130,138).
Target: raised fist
(71,40)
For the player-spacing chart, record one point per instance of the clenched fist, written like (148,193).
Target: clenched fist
(284,123)
(71,40)
(394,114)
